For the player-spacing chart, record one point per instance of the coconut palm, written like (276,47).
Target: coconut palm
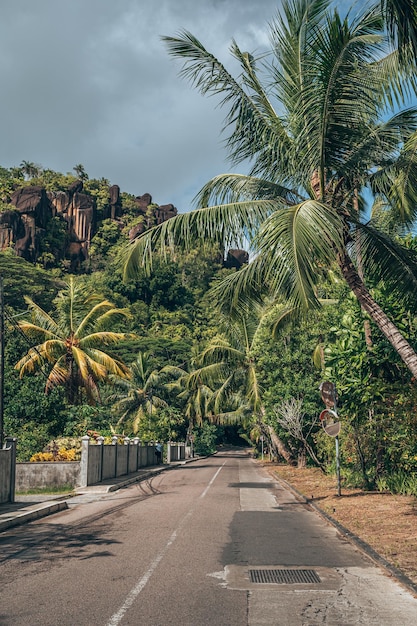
(401,20)
(229,367)
(30,169)
(193,392)
(317,136)
(80,172)
(73,340)
(136,397)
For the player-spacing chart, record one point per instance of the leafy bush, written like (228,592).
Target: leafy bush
(205,439)
(398,483)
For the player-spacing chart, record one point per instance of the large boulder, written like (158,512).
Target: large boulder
(236,258)
(25,226)
(32,201)
(11,228)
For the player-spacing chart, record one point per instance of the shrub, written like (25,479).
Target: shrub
(398,483)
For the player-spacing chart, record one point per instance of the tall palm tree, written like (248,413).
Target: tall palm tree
(401,20)
(136,398)
(195,394)
(30,169)
(80,172)
(73,340)
(229,367)
(318,136)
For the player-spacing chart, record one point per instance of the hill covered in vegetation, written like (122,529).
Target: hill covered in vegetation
(191,367)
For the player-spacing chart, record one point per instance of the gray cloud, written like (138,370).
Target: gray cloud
(89,81)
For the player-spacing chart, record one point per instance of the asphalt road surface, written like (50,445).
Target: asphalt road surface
(215,542)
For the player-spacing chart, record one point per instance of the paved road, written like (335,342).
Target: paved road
(193,547)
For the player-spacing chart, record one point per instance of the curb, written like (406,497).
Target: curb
(357,541)
(29,516)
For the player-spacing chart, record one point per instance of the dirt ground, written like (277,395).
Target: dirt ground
(386,522)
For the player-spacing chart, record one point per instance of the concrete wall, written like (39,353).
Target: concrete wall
(109,462)
(102,462)
(175,452)
(45,475)
(5,473)
(98,463)
(8,470)
(94,465)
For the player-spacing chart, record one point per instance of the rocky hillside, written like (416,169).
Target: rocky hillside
(32,208)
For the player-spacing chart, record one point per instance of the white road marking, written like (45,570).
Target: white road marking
(133,594)
(256,498)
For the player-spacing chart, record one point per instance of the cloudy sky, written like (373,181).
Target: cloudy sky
(90,82)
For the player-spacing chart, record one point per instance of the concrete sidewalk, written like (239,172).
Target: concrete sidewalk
(27,508)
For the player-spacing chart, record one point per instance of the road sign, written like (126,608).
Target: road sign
(330,422)
(328,394)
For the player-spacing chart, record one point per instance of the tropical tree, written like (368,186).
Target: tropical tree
(318,137)
(30,169)
(73,340)
(401,20)
(80,172)
(194,394)
(229,367)
(136,397)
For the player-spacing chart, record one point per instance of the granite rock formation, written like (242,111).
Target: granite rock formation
(24,225)
(33,207)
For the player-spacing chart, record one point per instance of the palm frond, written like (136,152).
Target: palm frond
(31,361)
(32,330)
(86,365)
(208,375)
(100,312)
(401,20)
(239,292)
(57,376)
(232,188)
(385,260)
(380,147)
(227,225)
(250,112)
(403,192)
(102,338)
(286,316)
(106,363)
(291,243)
(41,318)
(254,390)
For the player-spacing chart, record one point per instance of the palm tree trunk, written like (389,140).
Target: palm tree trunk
(279,446)
(368,304)
(366,324)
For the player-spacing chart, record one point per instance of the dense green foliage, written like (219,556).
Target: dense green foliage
(198,364)
(174,321)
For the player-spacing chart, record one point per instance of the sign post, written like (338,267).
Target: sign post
(330,422)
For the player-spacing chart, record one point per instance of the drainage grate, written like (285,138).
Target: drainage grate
(284,576)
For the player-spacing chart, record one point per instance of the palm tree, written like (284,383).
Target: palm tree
(80,172)
(30,170)
(195,394)
(317,136)
(401,20)
(229,367)
(136,398)
(72,340)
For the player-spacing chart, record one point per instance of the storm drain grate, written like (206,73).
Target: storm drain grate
(283,576)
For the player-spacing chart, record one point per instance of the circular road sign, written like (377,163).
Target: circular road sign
(328,393)
(330,422)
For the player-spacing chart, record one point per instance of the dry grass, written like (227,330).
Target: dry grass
(386,522)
